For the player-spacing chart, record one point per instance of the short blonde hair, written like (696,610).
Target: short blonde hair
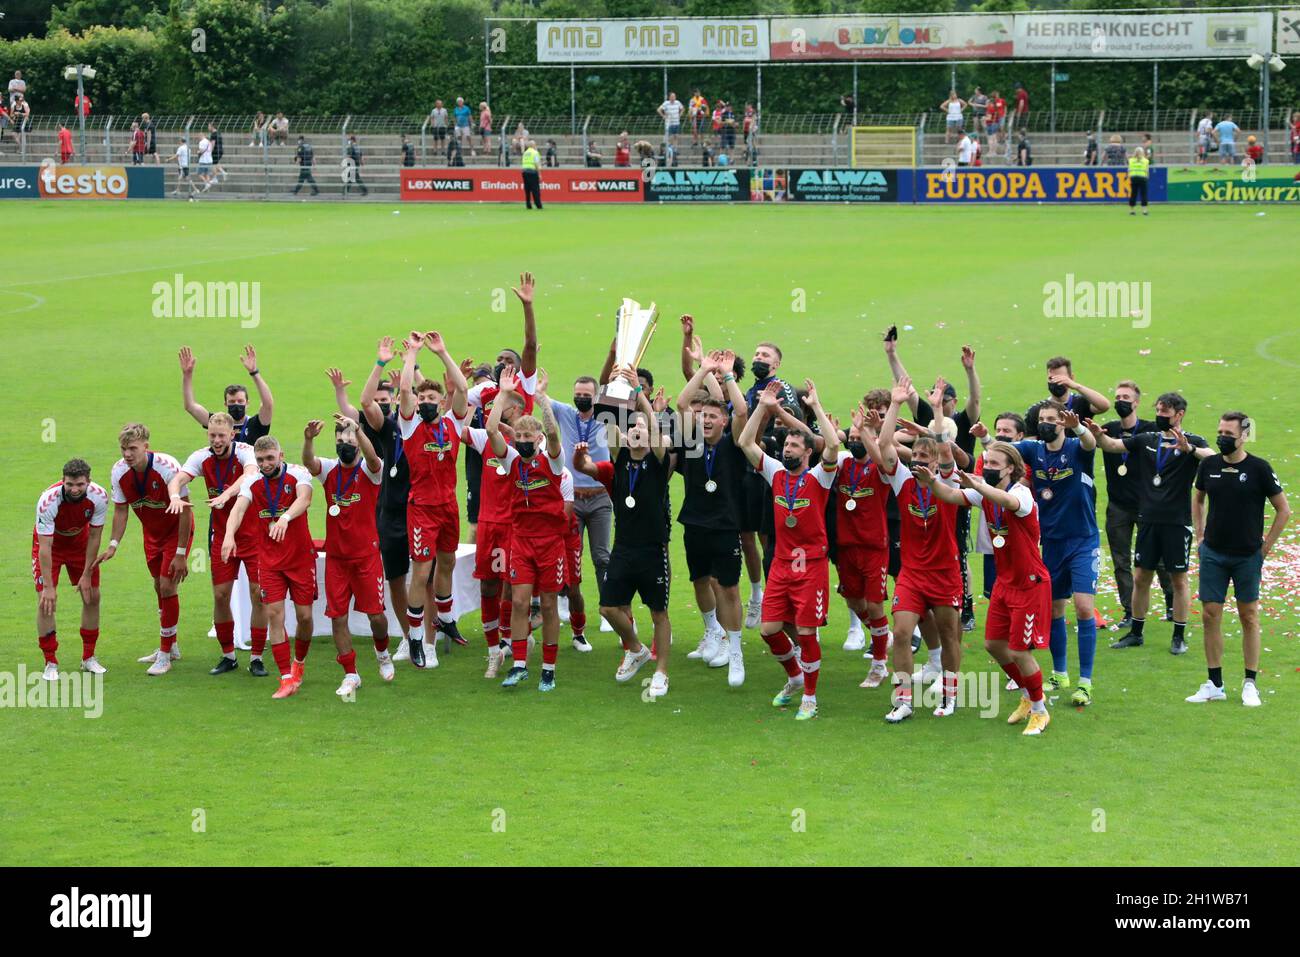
(132,432)
(527,423)
(221,420)
(266,443)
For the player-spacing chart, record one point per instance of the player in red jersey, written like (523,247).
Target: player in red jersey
(538,522)
(930,579)
(140,481)
(70,518)
(431,445)
(798,586)
(278,497)
(222,465)
(354,572)
(492,543)
(1019,613)
(862,542)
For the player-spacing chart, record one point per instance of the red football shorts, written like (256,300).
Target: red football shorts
(538,562)
(158,555)
(863,571)
(492,551)
(431,529)
(223,572)
(919,591)
(298,584)
(1020,616)
(75,566)
(798,592)
(354,579)
(573,552)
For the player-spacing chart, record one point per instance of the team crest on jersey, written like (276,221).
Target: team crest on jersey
(148,502)
(494,463)
(922,513)
(850,492)
(1053,474)
(798,503)
(350,499)
(533,483)
(443,446)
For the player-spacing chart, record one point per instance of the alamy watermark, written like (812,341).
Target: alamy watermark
(77,690)
(1083,299)
(179,299)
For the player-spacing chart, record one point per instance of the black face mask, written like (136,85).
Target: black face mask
(792,462)
(1123,409)
(760,369)
(993,476)
(428,411)
(526,449)
(1227,444)
(582,403)
(496,372)
(237,412)
(347,453)
(1057,389)
(856,449)
(1047,431)
(1163,423)
(385,409)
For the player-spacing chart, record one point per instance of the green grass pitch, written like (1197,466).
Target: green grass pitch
(418,772)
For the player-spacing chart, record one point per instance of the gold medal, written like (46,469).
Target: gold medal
(1122,470)
(791,521)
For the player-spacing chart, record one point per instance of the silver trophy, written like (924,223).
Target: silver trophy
(635,326)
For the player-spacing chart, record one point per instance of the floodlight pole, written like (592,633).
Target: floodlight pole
(1053,108)
(1264,71)
(573,100)
(81,112)
(1155,96)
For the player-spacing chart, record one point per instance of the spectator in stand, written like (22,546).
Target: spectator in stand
(1204,137)
(17,86)
(699,112)
(151,137)
(484,124)
(849,107)
(977,151)
(205,162)
(1022,106)
(438,123)
(408,151)
(965,149)
(1254,150)
(305,157)
(138,144)
(1024,155)
(460,117)
(979,104)
(358,159)
(1115,153)
(519,142)
(671,110)
(716,124)
(667,154)
(706,156)
(455,157)
(955,122)
(552,154)
(644,151)
(750,129)
(182,158)
(81,104)
(994,118)
(258,132)
(280,130)
(65,144)
(722,159)
(20,117)
(622,150)
(593,155)
(1295,137)
(1090,150)
(218,150)
(728,127)
(4,119)
(1148,147)
(1226,133)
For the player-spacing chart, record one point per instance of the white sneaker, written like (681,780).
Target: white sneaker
(736,670)
(431,653)
(92,665)
(348,689)
(632,662)
(403,652)
(495,656)
(658,685)
(723,657)
(901,711)
(580,643)
(176,651)
(604,625)
(244,644)
(1208,692)
(149,658)
(1011,685)
(386,669)
(753,613)
(856,640)
(930,673)
(51,672)
(946,707)
(1249,694)
(876,676)
(711,645)
(698,653)
(161,665)
(562,607)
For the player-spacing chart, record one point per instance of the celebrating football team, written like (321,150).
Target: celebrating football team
(772,482)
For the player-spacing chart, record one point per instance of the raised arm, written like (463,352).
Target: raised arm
(582,461)
(1095,399)
(899,373)
(459,387)
(341,394)
(731,390)
(554,448)
(692,351)
(888,460)
(369,407)
(197,411)
(493,426)
(249,359)
(372,458)
(768,401)
(972,384)
(525,292)
(309,460)
(1070,420)
(694,383)
(829,434)
(410,349)
(1105,442)
(607,369)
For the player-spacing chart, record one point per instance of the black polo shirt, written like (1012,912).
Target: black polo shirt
(1122,490)
(1236,492)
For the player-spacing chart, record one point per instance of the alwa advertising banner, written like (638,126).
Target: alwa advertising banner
(912,37)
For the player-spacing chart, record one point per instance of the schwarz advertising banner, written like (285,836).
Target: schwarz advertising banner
(464,185)
(1288,32)
(1082,184)
(918,37)
(1147,36)
(81,182)
(652,41)
(698,186)
(1260,184)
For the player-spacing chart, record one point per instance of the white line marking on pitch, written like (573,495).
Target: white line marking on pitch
(1261,348)
(127,272)
(36,303)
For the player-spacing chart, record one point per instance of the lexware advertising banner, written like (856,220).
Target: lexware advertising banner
(698,186)
(1288,32)
(918,37)
(1147,36)
(461,185)
(1084,184)
(651,41)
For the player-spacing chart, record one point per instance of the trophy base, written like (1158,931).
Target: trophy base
(612,395)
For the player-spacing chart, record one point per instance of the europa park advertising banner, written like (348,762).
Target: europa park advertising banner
(462,185)
(1152,35)
(652,41)
(1048,184)
(903,37)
